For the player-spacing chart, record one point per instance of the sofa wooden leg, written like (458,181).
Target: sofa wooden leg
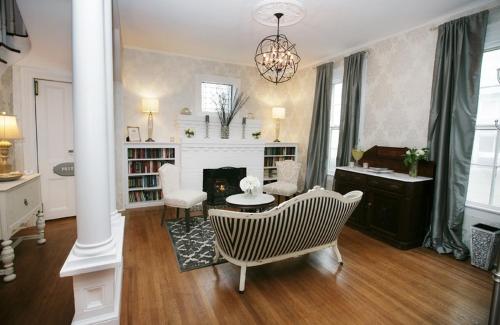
(337,252)
(205,210)
(243,273)
(217,254)
(163,215)
(187,219)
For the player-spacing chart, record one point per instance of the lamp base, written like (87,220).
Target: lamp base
(12,176)
(150,140)
(277,140)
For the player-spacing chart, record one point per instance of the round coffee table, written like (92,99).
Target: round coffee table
(248,203)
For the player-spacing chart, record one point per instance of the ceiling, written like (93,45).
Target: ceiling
(225,30)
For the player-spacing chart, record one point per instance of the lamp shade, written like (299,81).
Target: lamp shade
(150,105)
(8,127)
(279,113)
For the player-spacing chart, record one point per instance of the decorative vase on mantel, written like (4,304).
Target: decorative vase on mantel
(413,172)
(224,131)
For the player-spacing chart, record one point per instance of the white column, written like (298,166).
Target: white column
(110,110)
(95,261)
(90,128)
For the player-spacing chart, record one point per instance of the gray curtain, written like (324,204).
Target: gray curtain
(452,120)
(319,134)
(351,106)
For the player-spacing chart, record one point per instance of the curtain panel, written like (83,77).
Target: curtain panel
(350,107)
(319,134)
(452,120)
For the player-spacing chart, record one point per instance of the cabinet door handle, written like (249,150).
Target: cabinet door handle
(369,204)
(71,151)
(26,202)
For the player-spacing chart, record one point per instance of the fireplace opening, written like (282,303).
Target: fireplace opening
(222,182)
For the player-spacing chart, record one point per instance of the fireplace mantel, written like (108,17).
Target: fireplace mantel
(197,155)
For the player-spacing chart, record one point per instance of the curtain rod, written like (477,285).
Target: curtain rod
(343,55)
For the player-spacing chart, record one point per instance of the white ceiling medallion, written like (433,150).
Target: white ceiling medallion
(293,11)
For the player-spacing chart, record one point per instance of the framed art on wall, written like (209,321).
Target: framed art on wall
(133,134)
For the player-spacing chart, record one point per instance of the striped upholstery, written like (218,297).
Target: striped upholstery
(307,221)
(304,224)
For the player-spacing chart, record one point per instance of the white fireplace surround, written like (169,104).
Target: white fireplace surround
(198,153)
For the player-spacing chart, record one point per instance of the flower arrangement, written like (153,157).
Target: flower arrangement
(227,110)
(256,135)
(412,157)
(189,132)
(250,185)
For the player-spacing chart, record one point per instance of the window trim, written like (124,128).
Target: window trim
(216,79)
(488,127)
(335,81)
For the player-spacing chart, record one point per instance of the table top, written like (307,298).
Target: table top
(395,176)
(6,186)
(250,201)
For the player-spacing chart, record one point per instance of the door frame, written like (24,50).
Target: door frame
(24,108)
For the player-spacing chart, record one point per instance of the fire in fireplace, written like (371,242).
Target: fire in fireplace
(222,182)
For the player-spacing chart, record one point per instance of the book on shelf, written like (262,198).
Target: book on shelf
(151,153)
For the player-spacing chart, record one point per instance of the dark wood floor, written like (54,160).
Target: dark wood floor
(377,284)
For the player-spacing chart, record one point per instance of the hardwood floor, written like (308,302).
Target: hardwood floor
(377,284)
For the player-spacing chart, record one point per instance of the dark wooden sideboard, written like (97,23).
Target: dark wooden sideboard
(394,208)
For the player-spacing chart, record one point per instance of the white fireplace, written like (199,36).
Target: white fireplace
(200,152)
(217,153)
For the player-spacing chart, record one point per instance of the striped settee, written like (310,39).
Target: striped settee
(306,223)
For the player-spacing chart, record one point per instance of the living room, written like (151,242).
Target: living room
(276,161)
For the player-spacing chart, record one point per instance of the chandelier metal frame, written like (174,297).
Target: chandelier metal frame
(276,57)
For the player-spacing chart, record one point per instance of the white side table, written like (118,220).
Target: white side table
(20,204)
(248,203)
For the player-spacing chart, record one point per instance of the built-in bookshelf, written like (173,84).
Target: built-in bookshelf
(143,187)
(277,151)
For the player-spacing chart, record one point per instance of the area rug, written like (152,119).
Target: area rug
(194,249)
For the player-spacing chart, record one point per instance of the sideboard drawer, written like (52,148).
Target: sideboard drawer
(387,185)
(353,178)
(23,200)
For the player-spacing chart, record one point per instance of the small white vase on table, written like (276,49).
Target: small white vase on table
(250,185)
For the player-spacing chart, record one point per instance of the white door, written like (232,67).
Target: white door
(54,123)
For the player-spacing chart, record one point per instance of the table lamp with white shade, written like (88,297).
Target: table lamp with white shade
(8,131)
(279,113)
(150,106)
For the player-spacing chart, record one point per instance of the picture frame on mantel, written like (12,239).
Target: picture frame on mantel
(133,134)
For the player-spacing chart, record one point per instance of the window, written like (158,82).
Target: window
(484,179)
(210,94)
(334,126)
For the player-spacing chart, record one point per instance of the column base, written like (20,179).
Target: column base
(97,281)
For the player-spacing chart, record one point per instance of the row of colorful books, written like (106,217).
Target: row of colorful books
(137,167)
(143,181)
(142,196)
(140,153)
(271,161)
(273,151)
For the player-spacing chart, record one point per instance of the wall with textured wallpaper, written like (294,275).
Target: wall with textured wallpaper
(6,91)
(398,90)
(172,79)
(397,93)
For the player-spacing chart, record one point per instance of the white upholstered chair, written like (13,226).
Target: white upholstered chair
(174,196)
(288,177)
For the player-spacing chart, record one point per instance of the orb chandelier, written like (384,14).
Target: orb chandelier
(276,57)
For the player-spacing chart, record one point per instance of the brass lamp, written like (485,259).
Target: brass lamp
(8,131)
(150,106)
(279,113)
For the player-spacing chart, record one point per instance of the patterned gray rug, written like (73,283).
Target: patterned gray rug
(194,249)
